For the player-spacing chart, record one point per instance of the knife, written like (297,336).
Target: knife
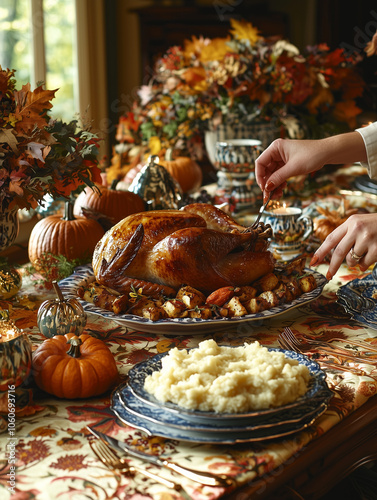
(205,478)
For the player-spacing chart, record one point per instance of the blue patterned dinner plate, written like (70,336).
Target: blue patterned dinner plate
(159,415)
(359,298)
(306,403)
(181,326)
(224,438)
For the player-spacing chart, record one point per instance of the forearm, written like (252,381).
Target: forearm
(344,148)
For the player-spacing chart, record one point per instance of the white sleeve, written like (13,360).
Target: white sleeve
(369,135)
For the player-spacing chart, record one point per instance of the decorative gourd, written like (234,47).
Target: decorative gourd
(73,237)
(157,186)
(61,316)
(184,170)
(111,202)
(10,282)
(73,367)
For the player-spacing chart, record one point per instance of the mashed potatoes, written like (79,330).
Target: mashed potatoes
(228,379)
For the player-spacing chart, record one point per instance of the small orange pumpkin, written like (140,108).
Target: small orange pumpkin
(114,204)
(74,367)
(73,237)
(185,171)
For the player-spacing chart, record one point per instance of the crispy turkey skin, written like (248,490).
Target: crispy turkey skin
(200,246)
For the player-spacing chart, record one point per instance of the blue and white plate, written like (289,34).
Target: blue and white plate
(306,403)
(224,438)
(180,326)
(159,415)
(359,298)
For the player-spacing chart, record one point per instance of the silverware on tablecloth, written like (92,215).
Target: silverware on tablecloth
(323,363)
(323,347)
(113,461)
(202,477)
(367,348)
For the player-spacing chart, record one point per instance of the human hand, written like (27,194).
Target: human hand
(356,237)
(285,158)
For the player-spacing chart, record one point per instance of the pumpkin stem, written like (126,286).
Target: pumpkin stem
(169,154)
(68,211)
(153,160)
(74,348)
(58,291)
(113,184)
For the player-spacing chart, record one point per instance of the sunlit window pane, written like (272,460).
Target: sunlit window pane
(15,38)
(16,49)
(60,41)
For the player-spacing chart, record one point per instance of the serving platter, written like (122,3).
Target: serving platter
(359,298)
(316,394)
(83,275)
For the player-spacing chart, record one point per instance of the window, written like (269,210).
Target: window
(38,41)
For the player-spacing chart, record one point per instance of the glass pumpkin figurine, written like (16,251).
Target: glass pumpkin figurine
(61,316)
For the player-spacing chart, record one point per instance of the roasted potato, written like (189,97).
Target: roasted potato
(191,297)
(235,307)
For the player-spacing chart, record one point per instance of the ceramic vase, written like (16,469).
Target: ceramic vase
(266,132)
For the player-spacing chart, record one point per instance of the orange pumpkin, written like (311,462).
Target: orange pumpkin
(74,367)
(113,203)
(185,171)
(75,238)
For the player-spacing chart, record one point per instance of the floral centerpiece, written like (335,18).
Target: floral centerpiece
(40,156)
(238,79)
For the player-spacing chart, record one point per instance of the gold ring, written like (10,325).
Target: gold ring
(354,255)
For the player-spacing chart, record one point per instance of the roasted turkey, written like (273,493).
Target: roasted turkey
(199,245)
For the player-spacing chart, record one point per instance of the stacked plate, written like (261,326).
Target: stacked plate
(366,184)
(358,297)
(139,409)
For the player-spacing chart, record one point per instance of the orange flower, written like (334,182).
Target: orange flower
(196,78)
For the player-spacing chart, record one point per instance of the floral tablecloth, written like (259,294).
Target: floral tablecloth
(54,458)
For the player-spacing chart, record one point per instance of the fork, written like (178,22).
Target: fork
(320,343)
(333,366)
(304,345)
(261,210)
(113,461)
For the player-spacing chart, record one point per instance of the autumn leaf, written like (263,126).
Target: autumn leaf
(323,97)
(193,47)
(6,84)
(346,112)
(244,31)
(194,76)
(32,106)
(216,50)
(8,137)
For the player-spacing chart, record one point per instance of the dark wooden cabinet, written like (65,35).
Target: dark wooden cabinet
(164,27)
